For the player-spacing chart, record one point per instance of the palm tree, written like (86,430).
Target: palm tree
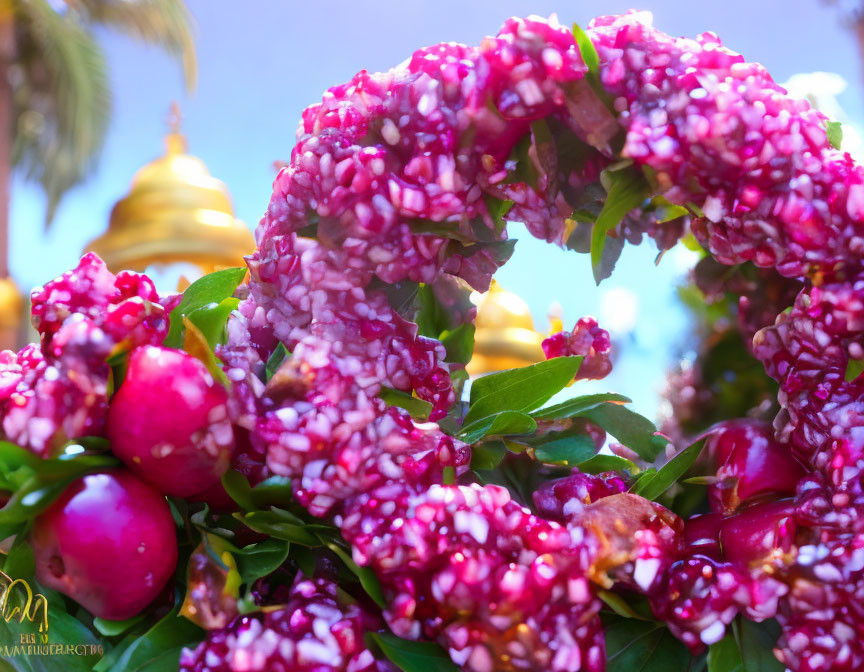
(55,99)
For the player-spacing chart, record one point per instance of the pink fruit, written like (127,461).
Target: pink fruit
(750,464)
(108,543)
(758,532)
(169,422)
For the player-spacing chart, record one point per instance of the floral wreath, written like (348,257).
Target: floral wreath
(339,506)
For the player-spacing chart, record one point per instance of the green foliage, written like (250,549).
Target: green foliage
(277,357)
(418,408)
(627,190)
(213,288)
(651,487)
(410,656)
(834,130)
(646,646)
(520,389)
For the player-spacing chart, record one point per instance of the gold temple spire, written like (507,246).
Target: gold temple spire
(175,211)
(505,337)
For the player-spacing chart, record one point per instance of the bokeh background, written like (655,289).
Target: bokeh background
(262,62)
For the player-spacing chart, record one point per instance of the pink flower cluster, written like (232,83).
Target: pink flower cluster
(312,632)
(587,340)
(58,391)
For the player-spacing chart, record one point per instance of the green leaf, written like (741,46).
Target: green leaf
(275,490)
(655,485)
(431,317)
(628,190)
(628,427)
(587,50)
(854,368)
(114,628)
(756,641)
(274,361)
(522,389)
(259,560)
(620,606)
(418,408)
(366,575)
(195,343)
(410,656)
(498,209)
(600,463)
(487,454)
(162,643)
(277,524)
(503,423)
(211,319)
(665,211)
(834,130)
(577,405)
(212,288)
(724,656)
(644,646)
(459,343)
(565,448)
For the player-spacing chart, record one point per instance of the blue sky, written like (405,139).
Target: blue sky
(262,62)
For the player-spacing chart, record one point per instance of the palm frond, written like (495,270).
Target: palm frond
(61,99)
(165,23)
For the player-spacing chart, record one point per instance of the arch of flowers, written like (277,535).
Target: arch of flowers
(344,362)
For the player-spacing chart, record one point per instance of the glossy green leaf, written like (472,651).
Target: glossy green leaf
(274,361)
(418,408)
(160,644)
(521,389)
(756,641)
(628,427)
(365,574)
(587,50)
(500,424)
(115,628)
(195,343)
(644,646)
(565,448)
(577,405)
(600,463)
(411,656)
(498,209)
(655,485)
(279,525)
(725,656)
(834,130)
(458,343)
(212,288)
(259,560)
(212,318)
(854,368)
(487,454)
(628,191)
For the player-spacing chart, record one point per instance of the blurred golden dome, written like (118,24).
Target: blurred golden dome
(505,337)
(175,211)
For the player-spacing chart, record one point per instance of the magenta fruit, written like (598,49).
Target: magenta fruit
(108,543)
(169,422)
(750,464)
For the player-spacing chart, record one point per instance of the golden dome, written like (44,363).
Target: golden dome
(505,336)
(175,211)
